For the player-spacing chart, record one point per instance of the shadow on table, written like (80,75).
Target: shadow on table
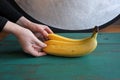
(19,54)
(14,54)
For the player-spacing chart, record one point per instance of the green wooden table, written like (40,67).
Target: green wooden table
(102,64)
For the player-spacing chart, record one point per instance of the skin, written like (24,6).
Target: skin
(30,35)
(37,29)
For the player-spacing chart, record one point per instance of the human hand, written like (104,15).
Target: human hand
(26,38)
(31,44)
(41,31)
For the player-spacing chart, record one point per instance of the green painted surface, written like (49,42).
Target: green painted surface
(102,64)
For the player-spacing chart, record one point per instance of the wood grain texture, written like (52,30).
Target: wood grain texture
(111,28)
(3,35)
(102,64)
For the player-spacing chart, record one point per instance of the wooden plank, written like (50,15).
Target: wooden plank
(102,64)
(111,28)
(3,35)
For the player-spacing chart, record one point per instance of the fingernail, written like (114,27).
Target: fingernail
(44,45)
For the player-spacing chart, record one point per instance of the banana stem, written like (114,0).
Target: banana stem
(95,32)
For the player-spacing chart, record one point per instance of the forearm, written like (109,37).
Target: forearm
(42,30)
(13,28)
(8,11)
(3,21)
(22,21)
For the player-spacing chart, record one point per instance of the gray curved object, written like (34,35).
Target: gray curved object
(71,14)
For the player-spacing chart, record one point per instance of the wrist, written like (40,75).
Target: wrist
(13,28)
(24,22)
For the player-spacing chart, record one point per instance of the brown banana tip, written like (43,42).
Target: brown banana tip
(96,29)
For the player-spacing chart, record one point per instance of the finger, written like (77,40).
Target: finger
(38,48)
(35,52)
(42,38)
(41,54)
(39,36)
(40,43)
(43,32)
(49,30)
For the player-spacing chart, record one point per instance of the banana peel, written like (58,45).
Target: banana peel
(62,46)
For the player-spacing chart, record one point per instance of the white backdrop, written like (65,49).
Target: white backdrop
(71,14)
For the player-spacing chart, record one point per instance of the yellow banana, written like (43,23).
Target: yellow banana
(60,38)
(71,48)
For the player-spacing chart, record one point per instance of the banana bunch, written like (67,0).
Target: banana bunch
(62,46)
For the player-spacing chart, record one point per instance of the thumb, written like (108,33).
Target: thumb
(34,52)
(40,43)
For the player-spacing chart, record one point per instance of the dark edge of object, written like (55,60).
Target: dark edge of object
(96,29)
(56,30)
